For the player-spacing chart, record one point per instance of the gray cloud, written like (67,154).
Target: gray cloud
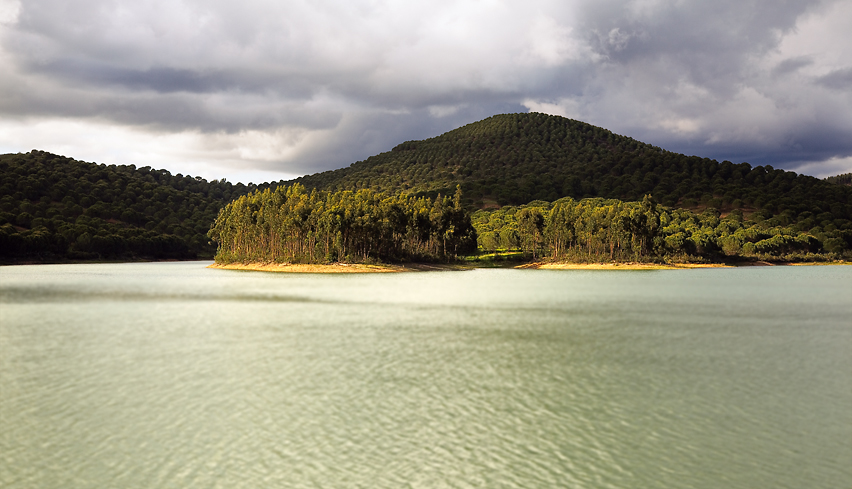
(157,79)
(791,65)
(838,79)
(300,87)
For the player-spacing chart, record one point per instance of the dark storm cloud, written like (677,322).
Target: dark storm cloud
(793,148)
(303,87)
(710,43)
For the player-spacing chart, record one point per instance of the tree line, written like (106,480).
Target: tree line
(290,224)
(595,230)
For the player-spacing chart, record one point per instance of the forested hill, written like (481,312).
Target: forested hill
(54,208)
(518,158)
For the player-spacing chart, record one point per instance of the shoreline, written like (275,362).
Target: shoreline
(668,266)
(338,267)
(442,267)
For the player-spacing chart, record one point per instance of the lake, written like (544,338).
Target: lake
(172,375)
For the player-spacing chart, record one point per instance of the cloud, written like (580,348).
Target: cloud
(296,87)
(791,65)
(9,10)
(838,79)
(730,81)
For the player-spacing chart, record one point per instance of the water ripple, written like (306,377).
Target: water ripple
(173,379)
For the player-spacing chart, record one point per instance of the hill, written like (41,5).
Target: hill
(54,208)
(513,159)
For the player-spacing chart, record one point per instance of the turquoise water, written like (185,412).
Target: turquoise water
(171,375)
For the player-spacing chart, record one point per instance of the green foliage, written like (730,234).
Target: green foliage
(54,208)
(598,229)
(291,225)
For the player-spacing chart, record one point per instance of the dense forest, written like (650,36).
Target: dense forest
(513,159)
(54,208)
(602,230)
(291,225)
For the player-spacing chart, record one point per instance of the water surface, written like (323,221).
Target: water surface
(171,375)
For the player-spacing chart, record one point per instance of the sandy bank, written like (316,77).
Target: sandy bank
(431,267)
(338,267)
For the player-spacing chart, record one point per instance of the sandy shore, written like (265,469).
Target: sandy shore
(427,267)
(338,267)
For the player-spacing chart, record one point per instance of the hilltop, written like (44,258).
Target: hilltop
(513,159)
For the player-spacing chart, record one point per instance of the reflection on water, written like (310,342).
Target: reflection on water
(172,375)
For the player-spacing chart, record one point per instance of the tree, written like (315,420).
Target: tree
(530,229)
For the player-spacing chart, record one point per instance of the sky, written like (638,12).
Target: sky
(263,90)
